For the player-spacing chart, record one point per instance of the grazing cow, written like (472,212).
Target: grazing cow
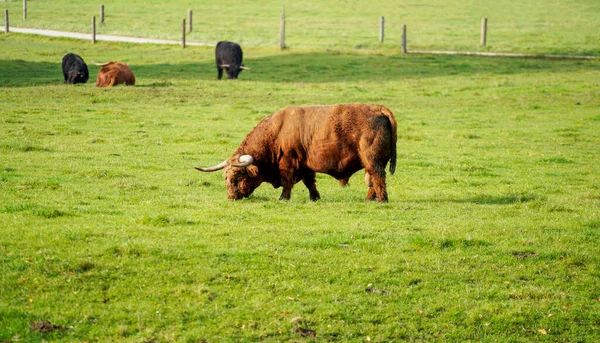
(295,143)
(228,56)
(74,69)
(114,73)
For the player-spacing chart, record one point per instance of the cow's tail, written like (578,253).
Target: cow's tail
(386,111)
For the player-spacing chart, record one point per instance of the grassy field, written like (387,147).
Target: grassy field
(561,27)
(491,233)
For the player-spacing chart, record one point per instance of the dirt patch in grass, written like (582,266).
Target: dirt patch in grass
(305,332)
(46,327)
(524,254)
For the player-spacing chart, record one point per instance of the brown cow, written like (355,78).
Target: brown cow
(114,73)
(295,143)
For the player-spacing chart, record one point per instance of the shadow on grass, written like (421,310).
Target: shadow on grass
(485,199)
(319,67)
(499,200)
(26,73)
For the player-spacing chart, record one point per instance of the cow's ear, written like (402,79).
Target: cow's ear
(252,170)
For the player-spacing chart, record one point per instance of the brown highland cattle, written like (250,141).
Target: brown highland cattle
(295,143)
(114,73)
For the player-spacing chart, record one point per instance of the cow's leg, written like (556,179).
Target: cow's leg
(286,193)
(220,73)
(374,161)
(371,195)
(311,184)
(287,183)
(379,186)
(375,180)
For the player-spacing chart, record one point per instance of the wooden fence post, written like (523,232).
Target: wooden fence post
(190,20)
(24,9)
(102,14)
(404,50)
(483,31)
(93,29)
(183,33)
(381,24)
(5,21)
(282,29)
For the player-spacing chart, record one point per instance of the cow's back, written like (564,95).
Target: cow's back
(228,53)
(335,139)
(115,73)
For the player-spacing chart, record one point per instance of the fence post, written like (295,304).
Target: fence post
(24,9)
(102,14)
(183,33)
(93,29)
(282,29)
(381,22)
(404,50)
(190,20)
(483,31)
(5,21)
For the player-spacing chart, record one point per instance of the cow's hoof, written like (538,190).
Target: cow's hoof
(371,195)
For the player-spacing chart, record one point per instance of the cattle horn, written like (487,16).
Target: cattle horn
(224,65)
(245,68)
(245,160)
(101,64)
(213,168)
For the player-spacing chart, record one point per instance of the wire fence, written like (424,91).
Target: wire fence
(299,26)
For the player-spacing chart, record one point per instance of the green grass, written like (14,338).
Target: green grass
(107,230)
(559,27)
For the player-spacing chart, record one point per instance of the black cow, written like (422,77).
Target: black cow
(74,69)
(229,56)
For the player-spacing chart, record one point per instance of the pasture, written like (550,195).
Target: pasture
(107,232)
(558,27)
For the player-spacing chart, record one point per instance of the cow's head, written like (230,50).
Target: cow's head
(76,77)
(241,176)
(233,70)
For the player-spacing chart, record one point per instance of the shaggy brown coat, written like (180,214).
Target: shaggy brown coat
(115,73)
(295,143)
